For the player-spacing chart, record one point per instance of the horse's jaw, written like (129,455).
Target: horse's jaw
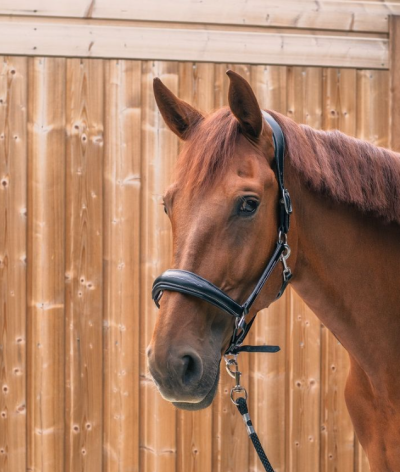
(207,400)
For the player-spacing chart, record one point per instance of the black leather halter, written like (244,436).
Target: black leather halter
(183,281)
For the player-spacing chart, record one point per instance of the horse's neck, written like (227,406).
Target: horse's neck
(347,271)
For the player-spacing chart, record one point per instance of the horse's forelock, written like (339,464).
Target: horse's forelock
(207,152)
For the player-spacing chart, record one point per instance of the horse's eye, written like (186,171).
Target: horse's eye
(165,210)
(248,206)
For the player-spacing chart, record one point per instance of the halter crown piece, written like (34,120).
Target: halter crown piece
(189,283)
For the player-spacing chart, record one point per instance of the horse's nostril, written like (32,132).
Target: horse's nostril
(192,369)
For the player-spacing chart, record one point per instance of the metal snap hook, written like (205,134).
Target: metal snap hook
(238,389)
(287,273)
(231,363)
(232,367)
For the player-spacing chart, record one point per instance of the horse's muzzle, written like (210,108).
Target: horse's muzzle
(179,374)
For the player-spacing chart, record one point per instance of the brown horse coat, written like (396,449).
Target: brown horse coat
(345,240)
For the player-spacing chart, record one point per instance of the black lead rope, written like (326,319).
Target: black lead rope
(232,368)
(243,410)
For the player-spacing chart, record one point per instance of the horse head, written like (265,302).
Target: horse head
(223,211)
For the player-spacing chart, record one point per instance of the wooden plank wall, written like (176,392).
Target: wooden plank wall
(336,15)
(394,83)
(78,38)
(84,160)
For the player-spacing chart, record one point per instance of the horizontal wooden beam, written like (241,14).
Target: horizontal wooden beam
(341,15)
(86,40)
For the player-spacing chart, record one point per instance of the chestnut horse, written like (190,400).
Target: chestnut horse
(345,258)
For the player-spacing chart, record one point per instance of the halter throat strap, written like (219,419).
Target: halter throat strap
(189,283)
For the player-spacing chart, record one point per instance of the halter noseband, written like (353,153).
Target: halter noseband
(189,283)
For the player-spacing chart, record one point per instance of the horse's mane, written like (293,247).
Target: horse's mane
(345,169)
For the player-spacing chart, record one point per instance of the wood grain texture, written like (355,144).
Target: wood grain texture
(340,100)
(159,150)
(13,225)
(346,15)
(305,95)
(373,107)
(303,418)
(221,85)
(337,433)
(394,51)
(194,429)
(96,231)
(46,258)
(270,86)
(267,389)
(178,44)
(84,266)
(122,185)
(373,126)
(360,459)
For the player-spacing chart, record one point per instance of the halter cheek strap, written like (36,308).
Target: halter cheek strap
(189,283)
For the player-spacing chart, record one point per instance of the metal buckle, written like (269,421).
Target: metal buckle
(287,202)
(241,322)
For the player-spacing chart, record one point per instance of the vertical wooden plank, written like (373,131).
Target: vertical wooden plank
(305,95)
(303,420)
(196,85)
(13,203)
(304,362)
(269,85)
(394,53)
(194,429)
(46,235)
(221,85)
(159,151)
(340,100)
(231,444)
(122,183)
(373,106)
(267,392)
(84,263)
(337,433)
(373,126)
(361,463)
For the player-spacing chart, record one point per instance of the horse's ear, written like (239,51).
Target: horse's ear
(180,117)
(244,105)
